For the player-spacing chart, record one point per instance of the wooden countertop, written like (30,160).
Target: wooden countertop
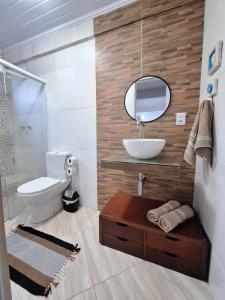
(132,210)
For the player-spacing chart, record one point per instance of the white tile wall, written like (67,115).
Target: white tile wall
(61,95)
(209,183)
(87,165)
(44,43)
(86,128)
(82,30)
(88,177)
(62,132)
(71,108)
(53,41)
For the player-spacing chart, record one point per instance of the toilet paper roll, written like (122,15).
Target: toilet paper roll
(69,171)
(71,161)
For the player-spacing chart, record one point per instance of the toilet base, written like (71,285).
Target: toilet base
(44,204)
(38,214)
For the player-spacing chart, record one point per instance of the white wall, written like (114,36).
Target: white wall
(210,183)
(71,110)
(71,101)
(71,107)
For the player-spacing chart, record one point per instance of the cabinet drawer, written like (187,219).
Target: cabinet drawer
(174,262)
(123,244)
(181,247)
(123,230)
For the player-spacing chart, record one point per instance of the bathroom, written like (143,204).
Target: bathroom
(67,69)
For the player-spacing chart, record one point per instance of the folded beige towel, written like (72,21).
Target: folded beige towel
(200,140)
(170,220)
(154,214)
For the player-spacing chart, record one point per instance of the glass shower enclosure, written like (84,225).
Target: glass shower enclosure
(23,139)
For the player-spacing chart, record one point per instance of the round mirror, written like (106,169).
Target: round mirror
(147,99)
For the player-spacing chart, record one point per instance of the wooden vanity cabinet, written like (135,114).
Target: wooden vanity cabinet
(123,226)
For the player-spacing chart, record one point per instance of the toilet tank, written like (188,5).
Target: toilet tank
(55,164)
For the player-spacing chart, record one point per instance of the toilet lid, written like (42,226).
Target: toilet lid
(38,185)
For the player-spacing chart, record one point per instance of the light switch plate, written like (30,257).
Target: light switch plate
(181,118)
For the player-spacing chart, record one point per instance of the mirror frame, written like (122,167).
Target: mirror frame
(136,81)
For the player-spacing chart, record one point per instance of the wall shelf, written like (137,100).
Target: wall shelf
(125,159)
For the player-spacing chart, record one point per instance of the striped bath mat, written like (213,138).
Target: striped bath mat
(37,260)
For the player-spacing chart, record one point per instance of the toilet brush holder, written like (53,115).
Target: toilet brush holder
(71,201)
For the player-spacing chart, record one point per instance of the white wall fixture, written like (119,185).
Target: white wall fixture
(144,148)
(215,58)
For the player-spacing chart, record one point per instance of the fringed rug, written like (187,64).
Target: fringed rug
(37,260)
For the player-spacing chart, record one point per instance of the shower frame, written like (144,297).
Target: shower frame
(17,70)
(5,291)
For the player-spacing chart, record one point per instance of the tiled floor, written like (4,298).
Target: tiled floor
(101,273)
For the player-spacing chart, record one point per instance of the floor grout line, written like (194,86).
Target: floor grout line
(109,278)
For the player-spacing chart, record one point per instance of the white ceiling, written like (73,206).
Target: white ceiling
(23,19)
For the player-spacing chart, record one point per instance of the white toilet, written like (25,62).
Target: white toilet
(43,196)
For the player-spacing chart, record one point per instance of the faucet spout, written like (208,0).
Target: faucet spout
(140,126)
(138,122)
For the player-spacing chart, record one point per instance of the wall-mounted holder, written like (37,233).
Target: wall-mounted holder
(215,58)
(212,88)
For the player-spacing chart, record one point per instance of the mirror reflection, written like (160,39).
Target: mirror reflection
(147,99)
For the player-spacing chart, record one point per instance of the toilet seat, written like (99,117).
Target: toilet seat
(38,185)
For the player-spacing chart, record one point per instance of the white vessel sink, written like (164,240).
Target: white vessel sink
(144,148)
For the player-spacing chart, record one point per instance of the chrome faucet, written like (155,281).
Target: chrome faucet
(140,126)
(142,179)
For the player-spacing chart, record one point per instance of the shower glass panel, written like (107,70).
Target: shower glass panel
(23,138)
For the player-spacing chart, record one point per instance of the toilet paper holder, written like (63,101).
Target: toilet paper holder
(69,171)
(70,165)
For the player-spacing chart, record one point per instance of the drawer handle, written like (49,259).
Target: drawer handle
(122,239)
(170,254)
(121,224)
(171,238)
